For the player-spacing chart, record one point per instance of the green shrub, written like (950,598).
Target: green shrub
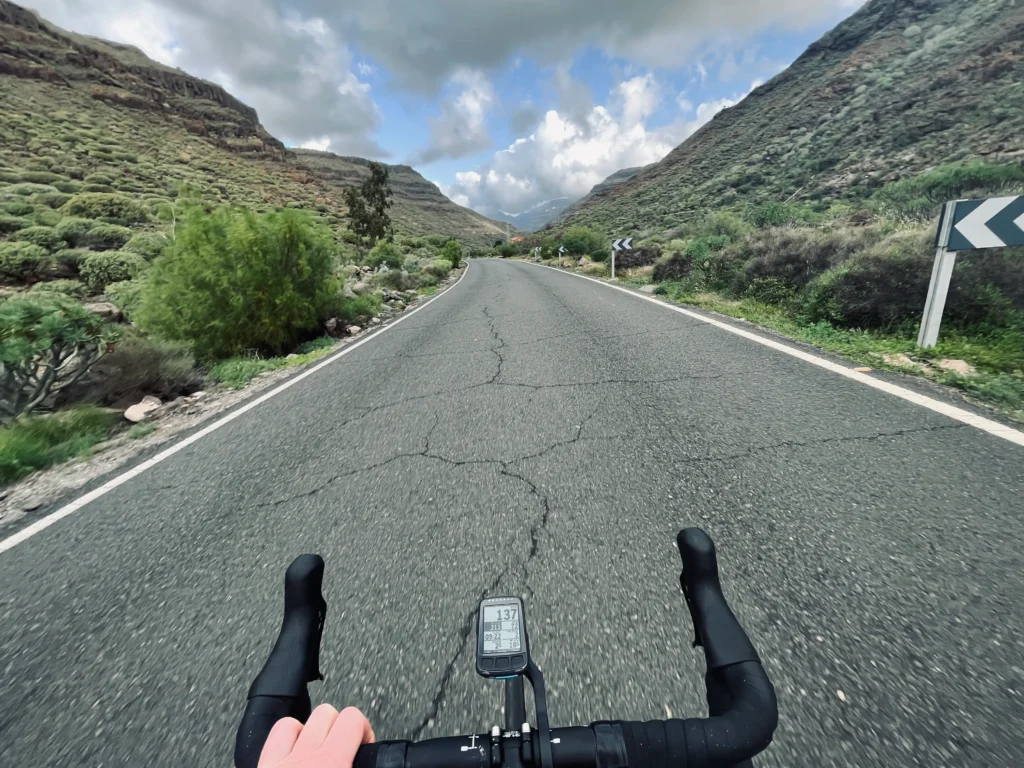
(17,208)
(882,288)
(234,280)
(98,178)
(358,310)
(101,269)
(21,261)
(44,237)
(46,217)
(437,241)
(25,190)
(34,443)
(147,245)
(51,199)
(73,288)
(47,343)
(439,268)
(452,251)
(726,224)
(13,223)
(104,188)
(601,255)
(236,372)
(70,187)
(770,290)
(69,261)
(126,295)
(316,345)
(581,240)
(397,280)
(385,253)
(40,177)
(413,243)
(923,196)
(107,237)
(9,176)
(797,256)
(672,268)
(74,231)
(94,205)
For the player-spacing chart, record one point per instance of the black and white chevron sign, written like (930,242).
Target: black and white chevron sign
(537,250)
(561,249)
(625,244)
(994,223)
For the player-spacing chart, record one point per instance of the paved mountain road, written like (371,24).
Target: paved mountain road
(534,433)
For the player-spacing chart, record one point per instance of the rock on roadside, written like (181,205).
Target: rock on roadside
(105,309)
(140,411)
(958,366)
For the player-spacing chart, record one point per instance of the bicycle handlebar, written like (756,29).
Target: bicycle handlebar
(741,699)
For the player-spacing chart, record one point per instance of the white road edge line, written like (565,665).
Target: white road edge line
(69,509)
(958,414)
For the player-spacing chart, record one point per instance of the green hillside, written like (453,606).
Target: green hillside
(895,90)
(80,114)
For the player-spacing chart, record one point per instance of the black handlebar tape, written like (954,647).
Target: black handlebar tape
(725,643)
(279,691)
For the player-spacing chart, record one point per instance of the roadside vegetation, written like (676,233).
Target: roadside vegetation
(851,279)
(108,296)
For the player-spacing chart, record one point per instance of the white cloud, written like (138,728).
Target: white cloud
(562,158)
(364,69)
(322,144)
(292,67)
(565,158)
(461,128)
(422,44)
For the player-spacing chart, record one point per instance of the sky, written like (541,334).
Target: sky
(504,104)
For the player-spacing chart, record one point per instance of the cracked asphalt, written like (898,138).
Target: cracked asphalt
(536,434)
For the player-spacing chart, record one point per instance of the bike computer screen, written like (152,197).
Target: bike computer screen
(502,649)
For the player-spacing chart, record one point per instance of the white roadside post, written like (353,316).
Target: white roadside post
(942,273)
(624,244)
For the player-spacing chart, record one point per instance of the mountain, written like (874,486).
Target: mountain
(91,115)
(898,88)
(601,189)
(540,215)
(536,217)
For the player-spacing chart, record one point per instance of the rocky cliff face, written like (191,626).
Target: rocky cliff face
(120,74)
(75,106)
(898,88)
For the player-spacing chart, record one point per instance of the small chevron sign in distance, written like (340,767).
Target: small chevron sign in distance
(994,223)
(561,249)
(625,244)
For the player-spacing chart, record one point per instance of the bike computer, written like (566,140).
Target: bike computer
(502,649)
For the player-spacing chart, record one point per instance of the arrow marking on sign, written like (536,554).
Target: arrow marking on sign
(974,226)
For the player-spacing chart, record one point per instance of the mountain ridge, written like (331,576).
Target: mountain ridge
(896,89)
(190,128)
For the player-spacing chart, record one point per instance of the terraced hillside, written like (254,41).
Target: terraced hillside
(900,87)
(81,115)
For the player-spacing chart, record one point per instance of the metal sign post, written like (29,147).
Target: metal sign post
(622,244)
(942,273)
(967,225)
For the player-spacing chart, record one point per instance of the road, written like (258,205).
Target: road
(532,432)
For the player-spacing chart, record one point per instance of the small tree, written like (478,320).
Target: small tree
(368,205)
(453,252)
(47,343)
(234,280)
